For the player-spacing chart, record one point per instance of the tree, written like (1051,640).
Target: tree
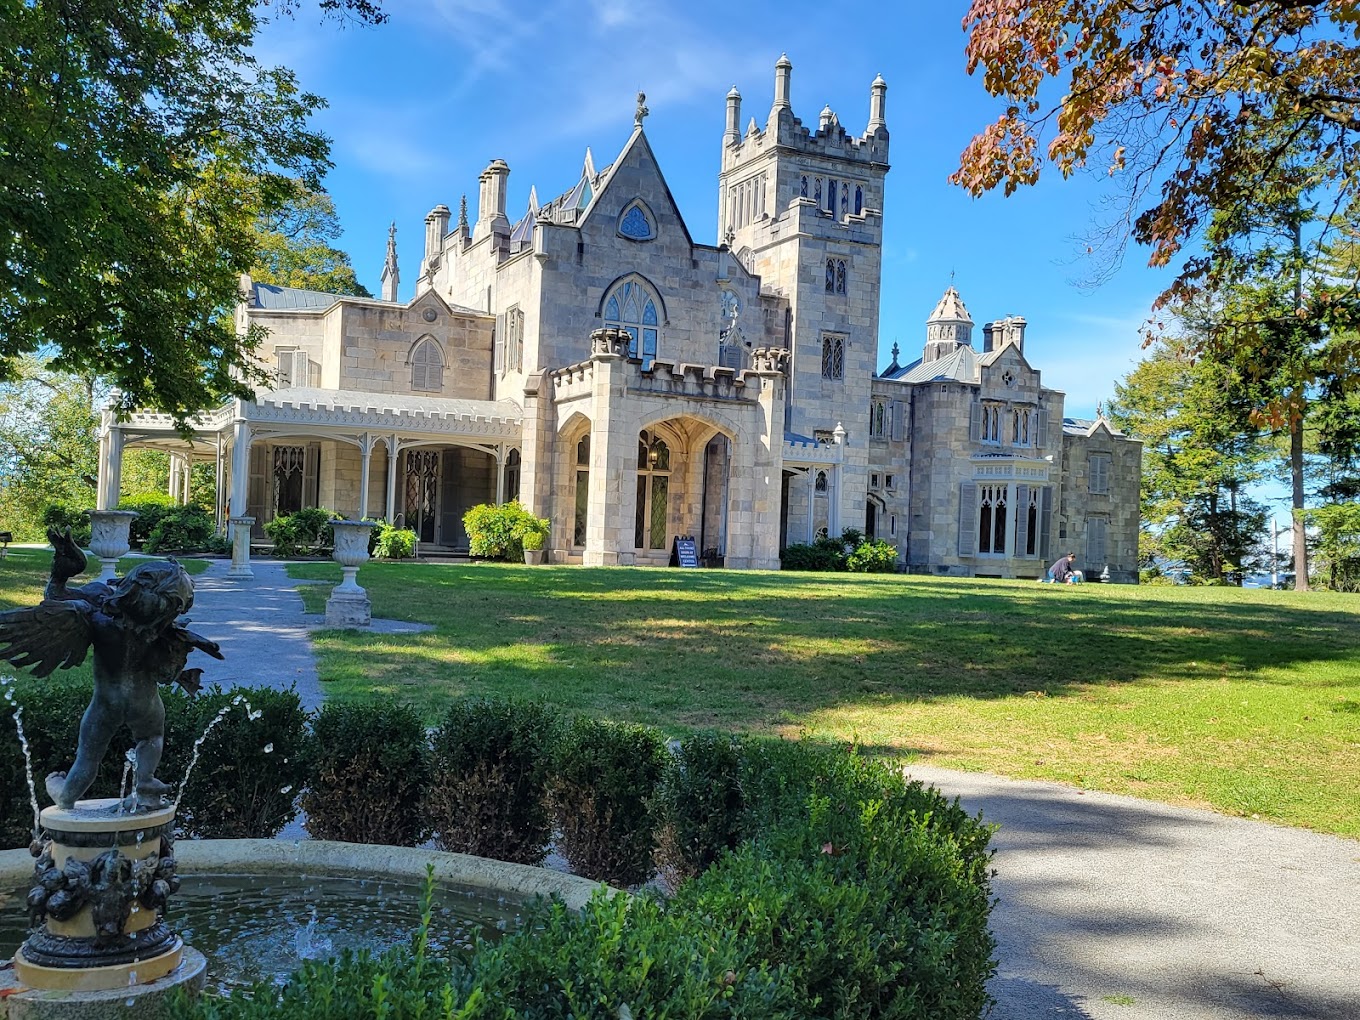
(1201,453)
(1195,106)
(294,249)
(1338,544)
(128,132)
(48,451)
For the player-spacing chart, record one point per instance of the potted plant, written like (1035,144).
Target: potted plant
(533,535)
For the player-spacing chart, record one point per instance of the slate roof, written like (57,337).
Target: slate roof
(1084,426)
(282,299)
(959,366)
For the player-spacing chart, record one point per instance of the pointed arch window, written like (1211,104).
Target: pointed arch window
(653,492)
(582,500)
(427,367)
(859,200)
(805,190)
(633,306)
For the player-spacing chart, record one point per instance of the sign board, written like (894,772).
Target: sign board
(684,552)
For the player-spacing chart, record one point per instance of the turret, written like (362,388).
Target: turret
(948,328)
(878,103)
(390,276)
(733,133)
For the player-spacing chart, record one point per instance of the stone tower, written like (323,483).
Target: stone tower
(948,328)
(802,209)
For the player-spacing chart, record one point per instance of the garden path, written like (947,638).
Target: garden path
(1115,908)
(261,626)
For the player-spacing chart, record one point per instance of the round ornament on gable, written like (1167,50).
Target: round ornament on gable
(429,315)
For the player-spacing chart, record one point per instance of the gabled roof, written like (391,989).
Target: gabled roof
(1088,426)
(637,143)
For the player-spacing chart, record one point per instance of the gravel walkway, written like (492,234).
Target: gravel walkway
(1115,908)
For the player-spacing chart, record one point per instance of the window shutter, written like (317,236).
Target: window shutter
(255,491)
(1041,439)
(975,422)
(1021,519)
(283,374)
(1045,522)
(301,373)
(967,518)
(897,425)
(499,341)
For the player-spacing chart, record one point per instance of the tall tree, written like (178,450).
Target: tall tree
(1201,454)
(127,131)
(294,248)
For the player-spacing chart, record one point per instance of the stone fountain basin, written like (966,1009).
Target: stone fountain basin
(293,861)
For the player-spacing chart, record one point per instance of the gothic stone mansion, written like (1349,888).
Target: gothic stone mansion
(634,385)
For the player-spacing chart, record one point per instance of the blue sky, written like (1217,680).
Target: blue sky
(419,106)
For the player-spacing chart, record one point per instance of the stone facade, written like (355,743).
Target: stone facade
(633,385)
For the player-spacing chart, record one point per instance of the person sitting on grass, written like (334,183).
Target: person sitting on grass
(1062,571)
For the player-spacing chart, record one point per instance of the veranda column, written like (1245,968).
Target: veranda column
(500,474)
(115,473)
(101,490)
(186,480)
(219,475)
(365,455)
(391,442)
(240,469)
(812,505)
(173,491)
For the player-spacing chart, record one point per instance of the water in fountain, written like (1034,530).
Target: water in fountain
(308,945)
(129,763)
(251,714)
(8,683)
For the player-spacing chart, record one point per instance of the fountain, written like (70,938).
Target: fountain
(105,868)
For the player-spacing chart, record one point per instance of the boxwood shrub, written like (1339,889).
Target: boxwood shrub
(487,791)
(369,766)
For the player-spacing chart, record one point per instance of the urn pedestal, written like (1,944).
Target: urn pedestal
(240,547)
(349,605)
(109,531)
(100,888)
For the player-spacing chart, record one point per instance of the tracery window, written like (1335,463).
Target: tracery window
(653,491)
(513,465)
(833,356)
(427,367)
(804,191)
(582,500)
(1020,426)
(840,276)
(835,276)
(991,423)
(633,306)
(831,196)
(819,483)
(859,200)
(878,419)
(992,500)
(1032,521)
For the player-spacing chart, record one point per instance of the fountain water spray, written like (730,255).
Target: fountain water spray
(8,683)
(251,714)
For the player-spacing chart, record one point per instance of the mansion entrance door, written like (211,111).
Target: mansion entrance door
(422,493)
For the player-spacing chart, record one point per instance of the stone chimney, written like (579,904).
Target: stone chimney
(733,133)
(436,226)
(491,218)
(878,101)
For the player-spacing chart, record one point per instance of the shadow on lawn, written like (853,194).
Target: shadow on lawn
(762,649)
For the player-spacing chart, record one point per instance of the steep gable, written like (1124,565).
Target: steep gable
(636,174)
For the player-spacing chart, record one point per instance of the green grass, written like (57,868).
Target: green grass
(1245,701)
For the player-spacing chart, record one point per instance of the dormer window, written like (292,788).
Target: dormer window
(427,367)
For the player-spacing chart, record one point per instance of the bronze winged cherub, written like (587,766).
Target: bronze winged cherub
(130,623)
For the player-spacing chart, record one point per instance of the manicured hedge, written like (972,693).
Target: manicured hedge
(806,881)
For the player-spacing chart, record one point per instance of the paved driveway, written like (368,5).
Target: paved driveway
(1112,907)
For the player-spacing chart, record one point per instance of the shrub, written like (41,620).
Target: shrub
(488,784)
(181,529)
(391,543)
(497,532)
(823,554)
(236,786)
(878,557)
(368,771)
(603,777)
(302,532)
(700,808)
(149,507)
(251,768)
(58,515)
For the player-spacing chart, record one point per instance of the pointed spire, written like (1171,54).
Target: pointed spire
(462,214)
(390,276)
(588,167)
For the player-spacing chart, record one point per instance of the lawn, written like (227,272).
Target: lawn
(1244,701)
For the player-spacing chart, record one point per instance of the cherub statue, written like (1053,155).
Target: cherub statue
(130,622)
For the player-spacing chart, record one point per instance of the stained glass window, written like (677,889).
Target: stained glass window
(840,276)
(633,307)
(833,356)
(859,200)
(653,492)
(582,491)
(635,225)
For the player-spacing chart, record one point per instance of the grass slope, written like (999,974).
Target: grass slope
(1246,701)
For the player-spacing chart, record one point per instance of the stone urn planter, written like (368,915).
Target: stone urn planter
(533,547)
(109,530)
(349,605)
